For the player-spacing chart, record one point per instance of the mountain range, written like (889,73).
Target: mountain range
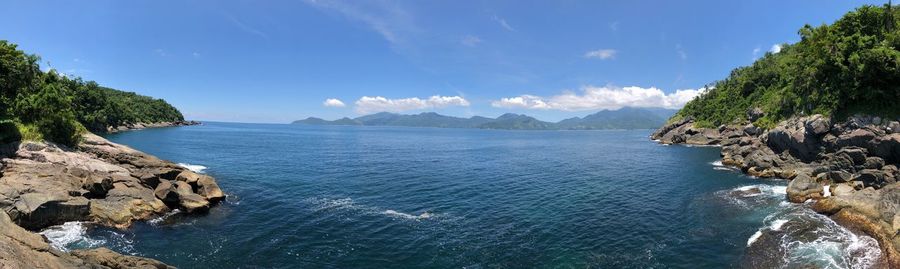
(624,118)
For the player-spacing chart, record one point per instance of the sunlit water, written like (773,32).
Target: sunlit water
(377,197)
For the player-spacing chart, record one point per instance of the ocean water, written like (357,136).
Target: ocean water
(393,197)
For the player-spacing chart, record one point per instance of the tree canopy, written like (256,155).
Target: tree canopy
(47,105)
(851,66)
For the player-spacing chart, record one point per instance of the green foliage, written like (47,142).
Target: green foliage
(58,108)
(28,132)
(851,66)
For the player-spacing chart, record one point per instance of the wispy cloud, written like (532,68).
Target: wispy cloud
(614,26)
(681,53)
(756,52)
(161,52)
(245,27)
(607,97)
(386,18)
(333,102)
(602,54)
(195,54)
(366,104)
(470,41)
(503,23)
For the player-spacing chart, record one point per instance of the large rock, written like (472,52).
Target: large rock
(111,259)
(208,187)
(794,137)
(166,192)
(189,200)
(802,188)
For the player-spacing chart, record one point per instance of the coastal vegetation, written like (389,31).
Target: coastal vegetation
(851,66)
(37,105)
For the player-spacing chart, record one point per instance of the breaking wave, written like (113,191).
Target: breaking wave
(70,235)
(801,236)
(196,168)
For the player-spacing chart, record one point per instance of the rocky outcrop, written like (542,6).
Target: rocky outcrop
(111,259)
(20,248)
(876,212)
(43,184)
(856,161)
(141,125)
(100,181)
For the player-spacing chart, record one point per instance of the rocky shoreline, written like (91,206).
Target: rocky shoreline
(849,169)
(140,125)
(44,184)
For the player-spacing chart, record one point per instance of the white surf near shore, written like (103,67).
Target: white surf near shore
(68,235)
(196,168)
(805,237)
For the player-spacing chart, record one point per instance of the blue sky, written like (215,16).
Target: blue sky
(277,61)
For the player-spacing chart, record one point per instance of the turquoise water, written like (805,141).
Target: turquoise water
(389,197)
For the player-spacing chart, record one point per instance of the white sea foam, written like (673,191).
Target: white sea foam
(717,163)
(347,204)
(815,240)
(753,238)
(777,224)
(63,236)
(780,190)
(408,216)
(827,191)
(196,168)
(158,220)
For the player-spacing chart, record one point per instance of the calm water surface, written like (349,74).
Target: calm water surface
(379,197)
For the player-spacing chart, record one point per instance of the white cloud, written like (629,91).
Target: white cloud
(195,54)
(775,48)
(332,102)
(608,97)
(602,54)
(470,41)
(367,104)
(503,23)
(161,52)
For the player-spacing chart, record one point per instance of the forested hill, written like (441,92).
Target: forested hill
(46,105)
(851,66)
(623,118)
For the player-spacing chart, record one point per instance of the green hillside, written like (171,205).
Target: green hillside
(46,105)
(851,66)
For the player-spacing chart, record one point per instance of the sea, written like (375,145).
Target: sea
(303,196)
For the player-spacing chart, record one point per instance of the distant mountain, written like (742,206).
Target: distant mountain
(511,121)
(625,118)
(318,121)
